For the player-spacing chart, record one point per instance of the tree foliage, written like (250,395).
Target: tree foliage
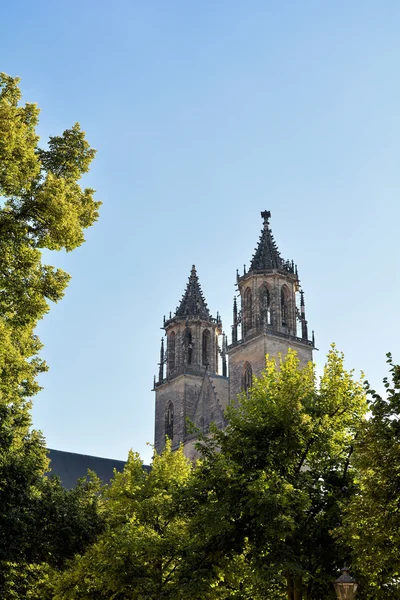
(274,479)
(373,515)
(253,519)
(139,554)
(42,206)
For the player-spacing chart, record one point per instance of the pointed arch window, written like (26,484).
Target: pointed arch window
(217,350)
(206,347)
(265,305)
(247,377)
(248,310)
(169,421)
(189,346)
(284,306)
(171,350)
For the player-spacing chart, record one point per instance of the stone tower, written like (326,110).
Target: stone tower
(269,320)
(189,385)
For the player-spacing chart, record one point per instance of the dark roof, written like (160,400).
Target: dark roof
(267,256)
(70,466)
(193,302)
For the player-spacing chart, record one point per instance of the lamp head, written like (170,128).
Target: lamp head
(345,586)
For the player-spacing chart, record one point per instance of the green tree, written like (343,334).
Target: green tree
(253,519)
(274,479)
(42,206)
(140,553)
(58,524)
(372,518)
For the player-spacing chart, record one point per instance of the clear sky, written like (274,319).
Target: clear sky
(204,114)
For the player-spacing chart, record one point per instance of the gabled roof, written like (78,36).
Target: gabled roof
(70,467)
(267,256)
(193,303)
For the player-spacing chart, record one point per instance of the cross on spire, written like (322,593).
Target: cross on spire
(266,215)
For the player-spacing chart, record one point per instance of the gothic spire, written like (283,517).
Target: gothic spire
(267,256)
(193,302)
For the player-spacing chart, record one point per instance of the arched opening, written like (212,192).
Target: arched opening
(265,305)
(169,421)
(189,346)
(171,350)
(205,348)
(248,310)
(247,377)
(284,306)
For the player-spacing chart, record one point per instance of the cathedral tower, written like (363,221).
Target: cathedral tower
(269,320)
(189,385)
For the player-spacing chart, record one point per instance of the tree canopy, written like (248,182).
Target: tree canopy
(139,554)
(372,517)
(275,477)
(254,518)
(42,206)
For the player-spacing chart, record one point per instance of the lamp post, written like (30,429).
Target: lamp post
(345,586)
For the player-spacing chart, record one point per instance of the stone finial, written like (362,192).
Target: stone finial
(266,215)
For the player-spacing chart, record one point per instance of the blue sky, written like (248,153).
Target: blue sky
(204,114)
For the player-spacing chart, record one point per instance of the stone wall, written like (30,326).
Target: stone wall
(254,351)
(202,399)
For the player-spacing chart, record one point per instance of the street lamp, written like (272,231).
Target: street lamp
(345,586)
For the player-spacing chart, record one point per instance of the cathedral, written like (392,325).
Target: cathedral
(200,372)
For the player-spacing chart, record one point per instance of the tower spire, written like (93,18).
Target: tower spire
(193,302)
(267,256)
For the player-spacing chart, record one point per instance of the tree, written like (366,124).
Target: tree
(139,554)
(372,518)
(253,519)
(42,206)
(59,523)
(271,484)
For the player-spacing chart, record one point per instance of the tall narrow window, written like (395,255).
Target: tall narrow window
(189,346)
(247,377)
(169,421)
(248,310)
(265,306)
(284,306)
(205,348)
(171,350)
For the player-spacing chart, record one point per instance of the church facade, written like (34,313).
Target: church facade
(199,371)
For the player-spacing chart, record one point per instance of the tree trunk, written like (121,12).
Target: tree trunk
(294,587)
(290,590)
(298,589)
